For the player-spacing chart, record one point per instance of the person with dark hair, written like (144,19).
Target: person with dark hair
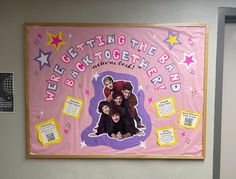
(105,120)
(111,86)
(117,104)
(120,129)
(130,105)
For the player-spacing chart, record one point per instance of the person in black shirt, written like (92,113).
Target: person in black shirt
(120,128)
(105,120)
(130,104)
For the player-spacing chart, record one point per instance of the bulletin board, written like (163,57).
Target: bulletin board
(116,90)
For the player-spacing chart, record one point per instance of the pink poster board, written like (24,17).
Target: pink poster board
(116,91)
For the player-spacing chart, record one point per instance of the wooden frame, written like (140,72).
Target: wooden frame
(169,120)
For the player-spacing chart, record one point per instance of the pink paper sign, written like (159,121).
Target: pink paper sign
(116,91)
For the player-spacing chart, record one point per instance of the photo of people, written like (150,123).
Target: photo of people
(118,113)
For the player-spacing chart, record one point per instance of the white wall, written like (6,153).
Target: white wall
(13,13)
(228,148)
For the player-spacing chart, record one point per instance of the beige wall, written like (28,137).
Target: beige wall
(228,148)
(13,14)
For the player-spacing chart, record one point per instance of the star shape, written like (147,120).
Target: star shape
(140,87)
(95,76)
(172,39)
(149,100)
(192,72)
(190,40)
(43,59)
(39,35)
(188,140)
(68,125)
(83,144)
(188,60)
(183,134)
(194,93)
(36,42)
(55,40)
(143,144)
(36,73)
(66,131)
(87,92)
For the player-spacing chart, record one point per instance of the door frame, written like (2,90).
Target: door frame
(225,15)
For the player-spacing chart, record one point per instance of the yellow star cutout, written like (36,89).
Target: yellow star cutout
(55,40)
(172,40)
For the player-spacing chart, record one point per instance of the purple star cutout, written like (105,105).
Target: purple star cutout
(43,59)
(39,35)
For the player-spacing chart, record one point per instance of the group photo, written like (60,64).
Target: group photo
(119,117)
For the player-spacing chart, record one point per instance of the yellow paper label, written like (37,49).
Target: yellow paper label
(166,136)
(73,107)
(48,132)
(166,107)
(189,119)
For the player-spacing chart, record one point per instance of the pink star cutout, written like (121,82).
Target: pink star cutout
(87,92)
(188,60)
(56,40)
(183,134)
(66,131)
(149,100)
(190,40)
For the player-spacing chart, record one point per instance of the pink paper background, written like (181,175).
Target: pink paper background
(191,96)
